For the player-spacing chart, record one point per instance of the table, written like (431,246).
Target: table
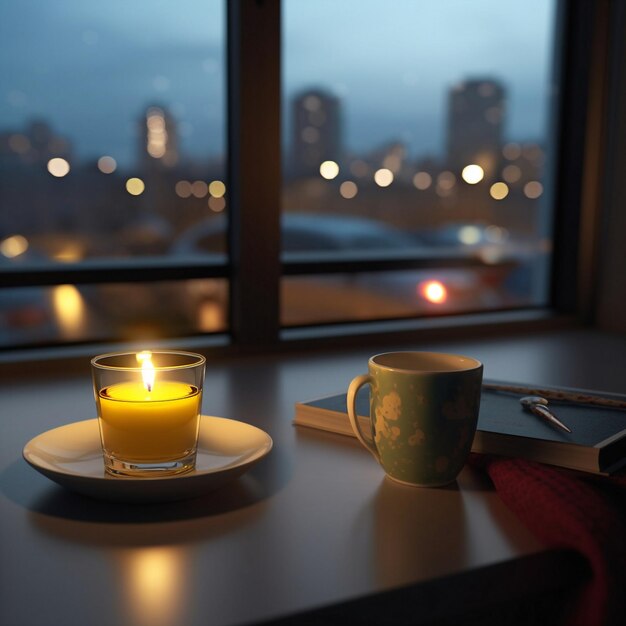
(314,530)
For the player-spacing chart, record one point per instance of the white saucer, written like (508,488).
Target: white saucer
(72,457)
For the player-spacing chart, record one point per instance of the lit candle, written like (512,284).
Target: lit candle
(149,423)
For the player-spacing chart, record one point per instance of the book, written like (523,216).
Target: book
(597,443)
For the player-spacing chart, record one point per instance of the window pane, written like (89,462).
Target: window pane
(111,127)
(122,311)
(419,126)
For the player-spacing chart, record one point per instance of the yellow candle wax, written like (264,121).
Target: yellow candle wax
(153,425)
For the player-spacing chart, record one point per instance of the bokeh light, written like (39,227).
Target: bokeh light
(135,186)
(183,188)
(446,180)
(58,167)
(469,235)
(499,191)
(434,291)
(533,189)
(472,174)
(496,234)
(199,189)
(217,205)
(348,189)
(511,173)
(156,140)
(107,164)
(217,188)
(422,180)
(383,177)
(329,170)
(13,246)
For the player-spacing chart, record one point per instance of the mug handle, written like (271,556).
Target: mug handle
(354,387)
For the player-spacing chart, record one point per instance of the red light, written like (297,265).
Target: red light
(433,291)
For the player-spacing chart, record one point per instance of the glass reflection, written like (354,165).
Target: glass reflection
(69,309)
(133,311)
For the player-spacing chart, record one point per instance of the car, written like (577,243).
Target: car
(302,232)
(326,298)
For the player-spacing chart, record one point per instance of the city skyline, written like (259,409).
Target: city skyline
(93,86)
(290,138)
(162,201)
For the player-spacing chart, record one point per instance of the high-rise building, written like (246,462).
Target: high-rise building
(475,125)
(316,131)
(159,138)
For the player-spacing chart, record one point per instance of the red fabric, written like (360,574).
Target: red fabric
(583,513)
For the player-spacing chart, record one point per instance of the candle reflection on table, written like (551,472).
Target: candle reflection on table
(154,585)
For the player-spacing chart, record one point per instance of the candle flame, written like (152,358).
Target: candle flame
(147,368)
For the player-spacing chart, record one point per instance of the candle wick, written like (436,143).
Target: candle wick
(149,387)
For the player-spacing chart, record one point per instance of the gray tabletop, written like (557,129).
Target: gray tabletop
(313,525)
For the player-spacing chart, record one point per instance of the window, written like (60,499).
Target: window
(112,155)
(418,158)
(422,130)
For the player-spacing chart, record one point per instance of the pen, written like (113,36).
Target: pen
(537,406)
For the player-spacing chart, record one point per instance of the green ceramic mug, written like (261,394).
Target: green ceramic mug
(423,414)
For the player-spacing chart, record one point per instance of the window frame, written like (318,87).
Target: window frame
(255,267)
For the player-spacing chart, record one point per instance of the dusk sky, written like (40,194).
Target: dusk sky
(91,68)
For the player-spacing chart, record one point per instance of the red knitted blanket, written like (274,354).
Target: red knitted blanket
(580,512)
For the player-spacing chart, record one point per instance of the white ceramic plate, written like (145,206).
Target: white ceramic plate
(72,457)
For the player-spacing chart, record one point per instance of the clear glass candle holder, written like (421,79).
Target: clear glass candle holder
(148,410)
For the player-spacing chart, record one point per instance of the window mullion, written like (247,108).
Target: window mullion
(254,169)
